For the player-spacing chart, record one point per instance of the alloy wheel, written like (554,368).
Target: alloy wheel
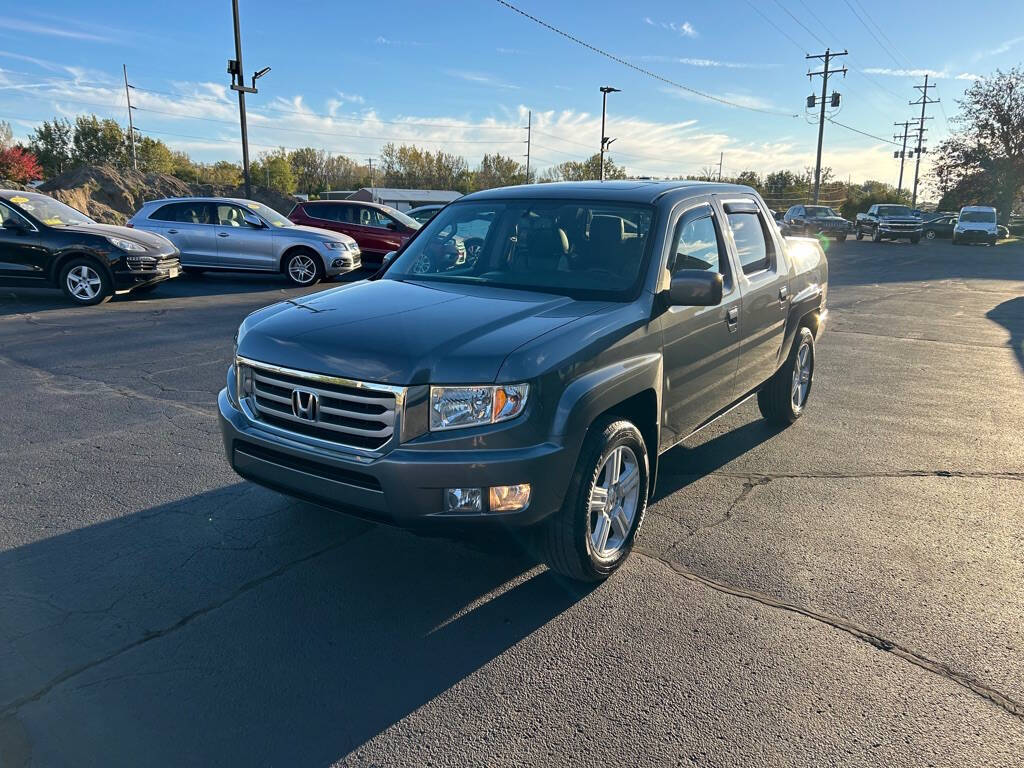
(302,269)
(801,376)
(84,282)
(614,501)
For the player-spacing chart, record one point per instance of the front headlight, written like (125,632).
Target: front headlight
(126,245)
(455,407)
(333,245)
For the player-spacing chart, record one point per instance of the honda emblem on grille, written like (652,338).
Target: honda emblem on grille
(305,404)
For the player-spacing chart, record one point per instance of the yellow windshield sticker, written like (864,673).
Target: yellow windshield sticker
(254,206)
(19,200)
(54,222)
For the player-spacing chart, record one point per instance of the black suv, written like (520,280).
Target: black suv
(599,325)
(45,243)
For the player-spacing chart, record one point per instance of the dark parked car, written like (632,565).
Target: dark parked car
(940,227)
(885,221)
(45,243)
(376,228)
(808,220)
(599,326)
(424,213)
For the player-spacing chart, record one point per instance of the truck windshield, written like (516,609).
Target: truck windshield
(979,217)
(894,210)
(581,249)
(819,212)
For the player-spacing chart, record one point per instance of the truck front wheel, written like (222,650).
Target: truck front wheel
(876,236)
(783,398)
(593,533)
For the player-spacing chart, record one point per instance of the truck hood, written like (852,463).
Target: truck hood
(405,333)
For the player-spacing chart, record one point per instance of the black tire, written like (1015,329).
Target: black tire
(930,234)
(876,236)
(775,399)
(841,238)
(89,270)
(915,240)
(860,234)
(312,264)
(564,539)
(955,240)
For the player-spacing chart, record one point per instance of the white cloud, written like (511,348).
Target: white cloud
(932,73)
(481,79)
(67,31)
(381,40)
(703,63)
(685,28)
(1003,47)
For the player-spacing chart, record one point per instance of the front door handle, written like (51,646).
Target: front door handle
(223,234)
(783,294)
(732,318)
(172,231)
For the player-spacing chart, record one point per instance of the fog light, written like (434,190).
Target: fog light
(463,500)
(509,498)
(337,263)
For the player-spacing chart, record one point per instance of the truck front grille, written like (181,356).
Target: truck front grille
(349,413)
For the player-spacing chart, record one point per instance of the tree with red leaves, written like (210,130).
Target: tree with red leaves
(19,165)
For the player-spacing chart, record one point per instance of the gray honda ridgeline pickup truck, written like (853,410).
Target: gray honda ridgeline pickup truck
(593,327)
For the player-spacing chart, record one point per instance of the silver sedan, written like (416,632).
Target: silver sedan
(222,233)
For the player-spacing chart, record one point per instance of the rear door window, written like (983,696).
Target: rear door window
(183,213)
(326,212)
(753,245)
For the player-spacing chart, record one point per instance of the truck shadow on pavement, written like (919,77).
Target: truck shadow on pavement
(240,627)
(1010,315)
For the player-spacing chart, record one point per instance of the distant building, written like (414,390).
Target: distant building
(402,199)
(337,194)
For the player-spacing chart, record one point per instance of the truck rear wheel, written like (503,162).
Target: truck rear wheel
(783,398)
(593,533)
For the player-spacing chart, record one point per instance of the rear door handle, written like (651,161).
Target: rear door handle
(223,234)
(172,231)
(732,318)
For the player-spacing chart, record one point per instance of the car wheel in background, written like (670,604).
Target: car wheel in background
(783,398)
(860,234)
(930,234)
(876,236)
(85,282)
(841,238)
(915,240)
(303,268)
(593,533)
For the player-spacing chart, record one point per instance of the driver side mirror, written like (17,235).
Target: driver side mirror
(388,258)
(15,224)
(253,220)
(695,288)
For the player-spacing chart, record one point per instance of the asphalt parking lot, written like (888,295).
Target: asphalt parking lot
(847,591)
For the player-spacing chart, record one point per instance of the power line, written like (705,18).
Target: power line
(862,133)
(797,20)
(639,69)
(777,28)
(872,33)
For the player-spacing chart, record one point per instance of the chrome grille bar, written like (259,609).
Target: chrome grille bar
(353,414)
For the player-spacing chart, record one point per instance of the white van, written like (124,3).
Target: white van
(977,224)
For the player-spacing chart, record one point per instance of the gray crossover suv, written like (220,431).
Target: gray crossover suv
(537,383)
(227,233)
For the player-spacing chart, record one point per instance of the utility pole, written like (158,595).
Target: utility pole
(827,56)
(721,157)
(529,130)
(131,124)
(238,84)
(924,101)
(369,162)
(605,141)
(903,152)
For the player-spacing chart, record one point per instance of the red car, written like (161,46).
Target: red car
(377,228)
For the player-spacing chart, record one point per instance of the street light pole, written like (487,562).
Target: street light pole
(238,84)
(605,141)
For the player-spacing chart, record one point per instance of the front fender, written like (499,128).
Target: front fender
(598,390)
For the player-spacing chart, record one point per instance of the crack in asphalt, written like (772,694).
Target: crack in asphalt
(767,477)
(909,655)
(748,485)
(971,345)
(12,707)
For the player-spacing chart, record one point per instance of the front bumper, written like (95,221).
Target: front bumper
(340,262)
(975,236)
(166,268)
(404,487)
(892,232)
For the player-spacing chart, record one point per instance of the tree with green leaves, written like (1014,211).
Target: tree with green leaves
(587,170)
(99,142)
(497,170)
(51,143)
(983,161)
(153,155)
(274,171)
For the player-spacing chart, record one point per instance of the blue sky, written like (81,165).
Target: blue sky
(459,75)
